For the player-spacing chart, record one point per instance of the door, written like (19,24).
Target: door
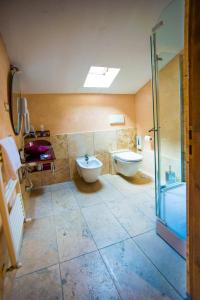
(167,43)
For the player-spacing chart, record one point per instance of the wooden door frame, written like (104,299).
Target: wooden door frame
(192,80)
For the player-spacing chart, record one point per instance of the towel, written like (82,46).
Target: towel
(10,156)
(23,113)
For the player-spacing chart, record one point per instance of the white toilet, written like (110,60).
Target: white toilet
(127,162)
(89,168)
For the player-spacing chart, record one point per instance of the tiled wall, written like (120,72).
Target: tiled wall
(68,147)
(170,138)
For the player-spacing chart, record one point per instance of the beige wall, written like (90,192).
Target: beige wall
(5,127)
(81,120)
(169,118)
(5,130)
(144,122)
(68,113)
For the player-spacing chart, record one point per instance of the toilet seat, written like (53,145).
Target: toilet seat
(128,156)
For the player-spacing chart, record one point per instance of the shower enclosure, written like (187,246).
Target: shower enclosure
(167,46)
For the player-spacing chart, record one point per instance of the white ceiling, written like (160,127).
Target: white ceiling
(55,42)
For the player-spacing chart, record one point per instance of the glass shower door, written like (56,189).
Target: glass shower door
(167,50)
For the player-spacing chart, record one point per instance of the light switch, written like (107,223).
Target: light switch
(117,119)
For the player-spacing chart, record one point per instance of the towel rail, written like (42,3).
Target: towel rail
(5,223)
(7,214)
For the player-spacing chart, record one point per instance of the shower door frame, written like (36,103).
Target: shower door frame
(161,227)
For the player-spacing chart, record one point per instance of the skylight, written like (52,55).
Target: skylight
(100,77)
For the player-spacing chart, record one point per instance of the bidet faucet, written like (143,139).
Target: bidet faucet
(86,158)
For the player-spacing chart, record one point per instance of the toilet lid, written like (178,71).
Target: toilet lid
(128,156)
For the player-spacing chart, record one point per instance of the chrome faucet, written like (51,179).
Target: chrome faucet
(86,158)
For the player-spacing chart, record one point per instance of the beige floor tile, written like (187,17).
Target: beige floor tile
(145,203)
(175,271)
(63,200)
(151,191)
(73,236)
(87,194)
(39,247)
(85,200)
(39,204)
(134,275)
(130,217)
(7,285)
(86,278)
(60,186)
(104,227)
(81,186)
(44,284)
(124,186)
(110,194)
(86,215)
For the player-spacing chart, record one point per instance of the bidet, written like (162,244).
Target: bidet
(89,168)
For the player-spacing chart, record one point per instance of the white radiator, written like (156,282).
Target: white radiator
(16,223)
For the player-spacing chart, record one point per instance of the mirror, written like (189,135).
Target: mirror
(14,96)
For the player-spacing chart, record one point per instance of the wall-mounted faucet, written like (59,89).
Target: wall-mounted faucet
(86,158)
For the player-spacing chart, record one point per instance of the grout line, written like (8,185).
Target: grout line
(98,248)
(110,275)
(61,282)
(121,193)
(118,220)
(139,208)
(140,248)
(124,226)
(132,238)
(35,271)
(137,235)
(56,237)
(121,241)
(78,256)
(101,256)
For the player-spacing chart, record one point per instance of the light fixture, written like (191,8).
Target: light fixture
(100,77)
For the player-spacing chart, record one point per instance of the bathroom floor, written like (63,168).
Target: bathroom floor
(96,241)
